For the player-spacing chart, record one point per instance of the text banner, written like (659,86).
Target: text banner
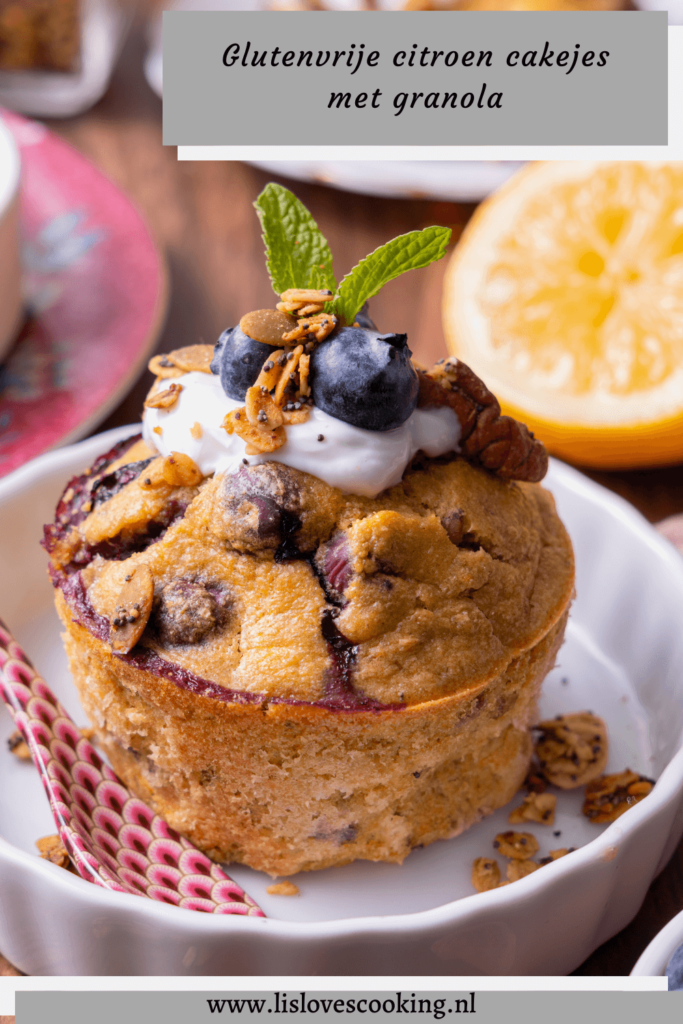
(426,78)
(387,1007)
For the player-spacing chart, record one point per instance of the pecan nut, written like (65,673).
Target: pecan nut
(498,443)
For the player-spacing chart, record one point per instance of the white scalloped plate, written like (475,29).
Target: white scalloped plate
(623,658)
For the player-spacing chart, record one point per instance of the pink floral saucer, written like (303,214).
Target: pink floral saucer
(95,293)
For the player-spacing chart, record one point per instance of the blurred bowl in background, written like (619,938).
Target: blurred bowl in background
(64,93)
(673,7)
(461,181)
(10,270)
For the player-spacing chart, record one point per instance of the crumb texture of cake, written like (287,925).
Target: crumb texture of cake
(323,676)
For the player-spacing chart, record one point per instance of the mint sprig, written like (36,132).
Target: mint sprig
(297,252)
(298,255)
(413,251)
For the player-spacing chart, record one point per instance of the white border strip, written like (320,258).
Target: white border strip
(674,150)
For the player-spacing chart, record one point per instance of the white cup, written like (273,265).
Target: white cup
(10,268)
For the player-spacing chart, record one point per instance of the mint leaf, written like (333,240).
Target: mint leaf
(407,252)
(297,252)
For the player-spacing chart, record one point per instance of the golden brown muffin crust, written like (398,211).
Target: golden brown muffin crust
(426,616)
(323,677)
(285,787)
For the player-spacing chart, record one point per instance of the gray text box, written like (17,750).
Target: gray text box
(425,78)
(418,1007)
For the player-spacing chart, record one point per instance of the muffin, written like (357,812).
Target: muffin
(306,639)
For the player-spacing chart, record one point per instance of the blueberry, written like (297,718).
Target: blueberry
(186,612)
(333,561)
(364,320)
(365,378)
(238,359)
(262,506)
(674,970)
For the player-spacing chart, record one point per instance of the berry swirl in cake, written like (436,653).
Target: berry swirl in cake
(310,609)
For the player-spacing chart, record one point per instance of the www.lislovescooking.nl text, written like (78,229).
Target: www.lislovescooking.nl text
(384,1003)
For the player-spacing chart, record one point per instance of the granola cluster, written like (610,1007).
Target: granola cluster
(176,470)
(18,746)
(191,359)
(519,849)
(52,848)
(133,609)
(282,392)
(571,751)
(610,796)
(536,807)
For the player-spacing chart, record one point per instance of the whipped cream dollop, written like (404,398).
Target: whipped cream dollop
(356,461)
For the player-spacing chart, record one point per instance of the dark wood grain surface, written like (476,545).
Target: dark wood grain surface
(202,218)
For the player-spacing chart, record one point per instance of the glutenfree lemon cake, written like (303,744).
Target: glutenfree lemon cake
(310,609)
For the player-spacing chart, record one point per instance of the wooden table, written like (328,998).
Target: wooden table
(201,216)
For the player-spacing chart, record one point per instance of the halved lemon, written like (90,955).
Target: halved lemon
(565,294)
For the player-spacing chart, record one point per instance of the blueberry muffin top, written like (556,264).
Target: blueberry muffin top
(310,516)
(272,583)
